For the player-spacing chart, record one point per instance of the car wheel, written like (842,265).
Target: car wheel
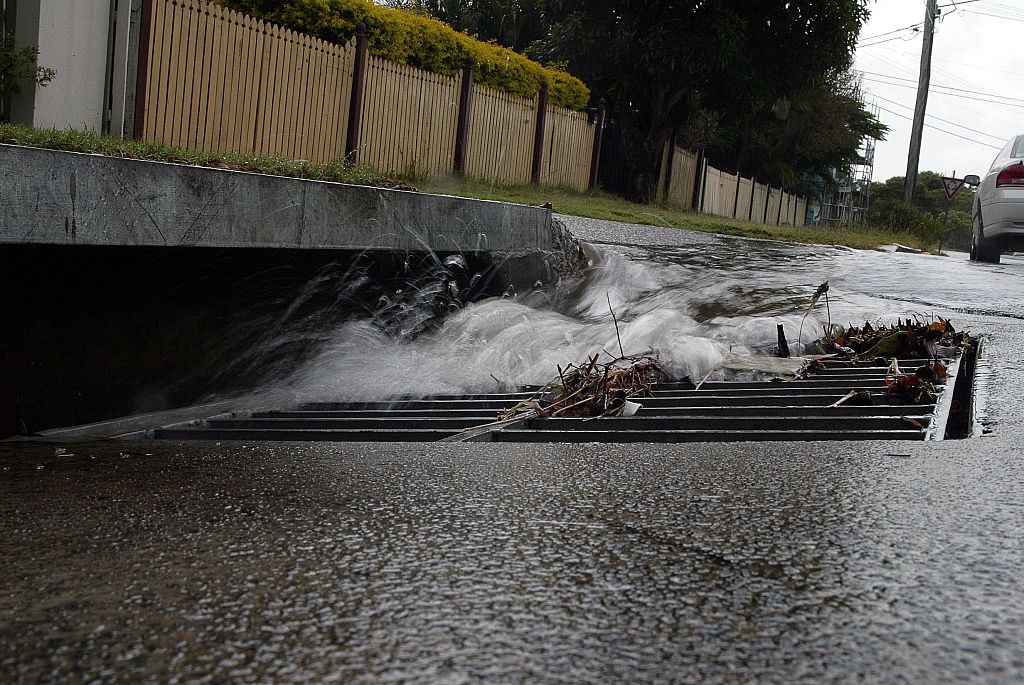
(982,250)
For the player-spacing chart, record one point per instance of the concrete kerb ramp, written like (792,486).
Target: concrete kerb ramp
(65,198)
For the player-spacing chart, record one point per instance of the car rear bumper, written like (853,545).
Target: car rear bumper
(1004,216)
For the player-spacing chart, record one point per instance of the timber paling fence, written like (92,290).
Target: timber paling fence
(219,80)
(214,79)
(687,180)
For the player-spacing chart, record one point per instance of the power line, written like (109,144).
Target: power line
(957,3)
(1008,8)
(967,91)
(882,42)
(986,67)
(997,16)
(972,112)
(941,130)
(952,95)
(999,7)
(887,33)
(932,116)
(871,41)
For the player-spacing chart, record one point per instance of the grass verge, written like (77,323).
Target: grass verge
(595,204)
(338,169)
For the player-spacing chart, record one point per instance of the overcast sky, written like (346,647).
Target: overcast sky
(977,84)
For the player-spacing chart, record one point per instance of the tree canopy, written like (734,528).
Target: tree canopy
(745,79)
(811,133)
(419,41)
(512,23)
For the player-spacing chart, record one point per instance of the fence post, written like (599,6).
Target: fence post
(538,135)
(355,103)
(767,202)
(142,73)
(668,160)
(703,181)
(595,157)
(736,202)
(696,200)
(462,127)
(753,191)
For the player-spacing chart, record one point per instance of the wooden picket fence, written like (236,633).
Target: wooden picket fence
(221,81)
(409,118)
(566,130)
(727,195)
(501,136)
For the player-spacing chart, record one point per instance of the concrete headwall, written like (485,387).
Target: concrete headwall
(62,198)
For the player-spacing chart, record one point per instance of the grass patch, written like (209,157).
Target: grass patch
(597,204)
(338,169)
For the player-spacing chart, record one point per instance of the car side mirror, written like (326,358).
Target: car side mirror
(972,180)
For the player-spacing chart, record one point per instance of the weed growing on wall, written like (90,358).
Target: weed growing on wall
(16,65)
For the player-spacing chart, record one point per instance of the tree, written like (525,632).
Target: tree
(671,66)
(512,23)
(931,216)
(810,135)
(18,64)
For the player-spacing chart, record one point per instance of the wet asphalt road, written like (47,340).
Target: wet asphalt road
(895,562)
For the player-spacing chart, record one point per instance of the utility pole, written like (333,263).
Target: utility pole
(922,101)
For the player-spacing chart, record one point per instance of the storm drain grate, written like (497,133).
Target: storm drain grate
(718,411)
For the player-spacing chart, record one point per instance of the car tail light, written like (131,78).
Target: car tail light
(1012,175)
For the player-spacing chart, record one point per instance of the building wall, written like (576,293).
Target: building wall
(73,37)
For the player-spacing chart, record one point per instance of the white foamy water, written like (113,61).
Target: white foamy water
(669,302)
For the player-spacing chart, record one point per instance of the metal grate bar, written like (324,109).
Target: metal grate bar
(676,412)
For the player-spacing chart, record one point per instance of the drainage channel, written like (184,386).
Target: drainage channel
(802,409)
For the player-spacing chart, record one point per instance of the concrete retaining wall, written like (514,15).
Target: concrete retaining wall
(64,198)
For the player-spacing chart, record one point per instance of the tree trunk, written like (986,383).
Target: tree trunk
(643,151)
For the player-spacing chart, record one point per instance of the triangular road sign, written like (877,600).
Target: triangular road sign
(952,186)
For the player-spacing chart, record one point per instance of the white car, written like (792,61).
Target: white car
(997,220)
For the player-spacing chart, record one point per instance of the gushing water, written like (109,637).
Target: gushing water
(675,303)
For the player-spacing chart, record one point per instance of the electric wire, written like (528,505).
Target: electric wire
(968,92)
(988,114)
(941,130)
(938,118)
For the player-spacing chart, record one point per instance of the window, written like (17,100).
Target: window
(1018,148)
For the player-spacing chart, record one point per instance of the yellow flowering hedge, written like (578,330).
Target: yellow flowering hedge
(418,41)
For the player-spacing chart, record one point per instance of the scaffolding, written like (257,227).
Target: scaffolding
(847,202)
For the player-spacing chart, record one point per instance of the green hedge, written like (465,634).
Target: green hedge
(418,41)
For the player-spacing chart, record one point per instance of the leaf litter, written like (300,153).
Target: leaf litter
(594,388)
(928,340)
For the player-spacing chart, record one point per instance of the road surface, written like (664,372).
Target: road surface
(544,563)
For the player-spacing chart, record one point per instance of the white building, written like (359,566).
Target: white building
(87,43)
